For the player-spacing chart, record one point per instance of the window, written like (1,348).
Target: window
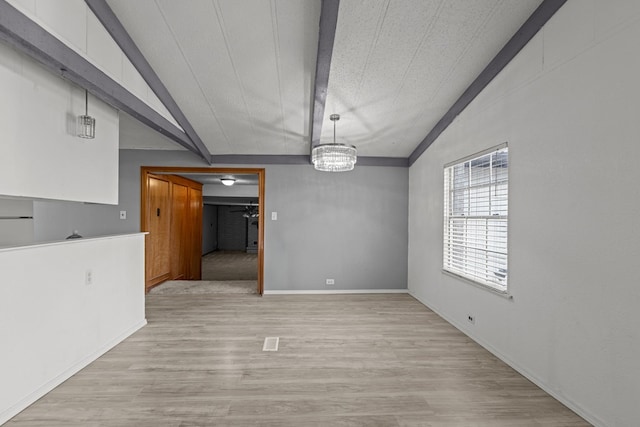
(475,218)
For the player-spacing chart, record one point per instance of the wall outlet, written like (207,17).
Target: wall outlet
(88,277)
(471,319)
(330,282)
(123,214)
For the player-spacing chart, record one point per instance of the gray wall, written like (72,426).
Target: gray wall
(351,227)
(209,228)
(252,235)
(232,229)
(54,220)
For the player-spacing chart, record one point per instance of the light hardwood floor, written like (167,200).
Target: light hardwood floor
(343,360)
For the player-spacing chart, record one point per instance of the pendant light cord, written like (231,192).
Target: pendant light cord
(334,118)
(86,102)
(334,131)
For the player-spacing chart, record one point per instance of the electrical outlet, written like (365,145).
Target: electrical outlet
(88,277)
(330,282)
(123,214)
(471,319)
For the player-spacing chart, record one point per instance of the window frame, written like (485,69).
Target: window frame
(492,285)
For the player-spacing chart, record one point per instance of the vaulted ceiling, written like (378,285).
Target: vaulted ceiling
(243,72)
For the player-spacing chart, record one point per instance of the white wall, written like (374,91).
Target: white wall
(40,155)
(74,24)
(52,324)
(568,107)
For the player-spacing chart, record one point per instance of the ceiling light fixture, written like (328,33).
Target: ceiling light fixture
(86,123)
(334,157)
(228,181)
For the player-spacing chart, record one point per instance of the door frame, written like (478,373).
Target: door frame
(145,170)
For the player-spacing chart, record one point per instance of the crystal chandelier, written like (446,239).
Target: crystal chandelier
(334,157)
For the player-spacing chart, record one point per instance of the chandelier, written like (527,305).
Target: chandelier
(334,157)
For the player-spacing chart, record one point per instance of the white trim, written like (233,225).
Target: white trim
(336,291)
(503,293)
(478,154)
(475,240)
(23,403)
(69,241)
(589,417)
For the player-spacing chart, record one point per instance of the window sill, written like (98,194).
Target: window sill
(503,294)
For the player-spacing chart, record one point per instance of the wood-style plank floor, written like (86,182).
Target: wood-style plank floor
(343,360)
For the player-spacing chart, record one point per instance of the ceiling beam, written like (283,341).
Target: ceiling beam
(20,32)
(326,35)
(117,31)
(526,32)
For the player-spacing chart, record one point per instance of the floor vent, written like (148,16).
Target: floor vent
(271,344)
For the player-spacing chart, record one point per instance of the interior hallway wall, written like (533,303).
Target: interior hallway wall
(209,228)
(232,229)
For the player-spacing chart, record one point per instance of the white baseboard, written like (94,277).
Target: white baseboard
(68,373)
(521,370)
(336,291)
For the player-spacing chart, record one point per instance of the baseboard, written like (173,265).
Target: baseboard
(336,291)
(590,418)
(68,373)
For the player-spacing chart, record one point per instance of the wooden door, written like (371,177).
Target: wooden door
(179,231)
(195,234)
(158,224)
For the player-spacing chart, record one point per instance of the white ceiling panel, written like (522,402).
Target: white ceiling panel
(243,72)
(398,66)
(145,24)
(297,35)
(255,61)
(219,105)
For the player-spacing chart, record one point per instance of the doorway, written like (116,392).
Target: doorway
(250,207)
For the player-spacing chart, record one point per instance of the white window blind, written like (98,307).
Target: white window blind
(475,218)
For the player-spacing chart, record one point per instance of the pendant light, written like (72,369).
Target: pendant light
(334,157)
(86,123)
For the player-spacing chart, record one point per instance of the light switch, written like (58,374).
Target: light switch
(274,216)
(123,214)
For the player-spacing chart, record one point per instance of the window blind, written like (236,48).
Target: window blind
(475,218)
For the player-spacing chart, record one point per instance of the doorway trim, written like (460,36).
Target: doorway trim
(145,170)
